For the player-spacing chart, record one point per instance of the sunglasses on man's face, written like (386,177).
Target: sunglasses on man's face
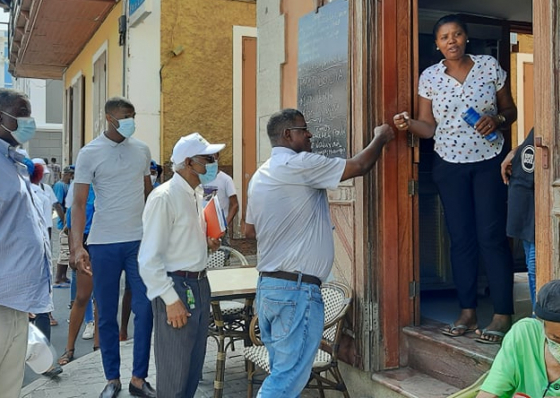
(208,158)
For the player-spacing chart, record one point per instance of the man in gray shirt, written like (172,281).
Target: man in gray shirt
(118,167)
(288,213)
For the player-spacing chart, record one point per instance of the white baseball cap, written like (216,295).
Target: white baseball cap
(192,145)
(42,162)
(40,356)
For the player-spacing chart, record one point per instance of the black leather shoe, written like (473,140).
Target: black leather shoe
(146,391)
(111,390)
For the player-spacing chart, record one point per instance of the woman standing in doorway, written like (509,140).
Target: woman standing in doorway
(466,170)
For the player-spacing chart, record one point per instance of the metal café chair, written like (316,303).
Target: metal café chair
(228,317)
(231,311)
(325,374)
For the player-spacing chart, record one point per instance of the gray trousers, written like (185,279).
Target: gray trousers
(180,352)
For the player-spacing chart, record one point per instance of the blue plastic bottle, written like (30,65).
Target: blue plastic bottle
(471,117)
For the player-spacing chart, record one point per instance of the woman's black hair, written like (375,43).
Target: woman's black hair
(451,18)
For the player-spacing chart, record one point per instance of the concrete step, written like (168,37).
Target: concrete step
(411,383)
(457,361)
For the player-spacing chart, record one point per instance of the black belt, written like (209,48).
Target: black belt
(293,276)
(189,275)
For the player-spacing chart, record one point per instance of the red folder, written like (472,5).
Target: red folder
(215,221)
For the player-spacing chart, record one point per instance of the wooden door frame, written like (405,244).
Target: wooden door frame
(547,207)
(522,58)
(397,300)
(239,32)
(103,50)
(381,85)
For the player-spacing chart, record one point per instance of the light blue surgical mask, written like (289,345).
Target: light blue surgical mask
(25,130)
(126,127)
(211,172)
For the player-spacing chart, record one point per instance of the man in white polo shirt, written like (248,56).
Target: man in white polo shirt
(288,213)
(172,259)
(118,167)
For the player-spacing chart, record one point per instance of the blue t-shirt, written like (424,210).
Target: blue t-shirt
(61,190)
(90,209)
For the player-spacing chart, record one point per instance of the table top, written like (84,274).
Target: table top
(233,282)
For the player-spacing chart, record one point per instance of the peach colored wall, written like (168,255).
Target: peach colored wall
(292,10)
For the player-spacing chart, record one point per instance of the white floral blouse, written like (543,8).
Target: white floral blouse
(455,140)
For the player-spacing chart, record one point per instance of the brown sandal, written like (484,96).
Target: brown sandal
(66,358)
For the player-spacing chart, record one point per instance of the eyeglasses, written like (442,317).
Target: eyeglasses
(303,128)
(208,158)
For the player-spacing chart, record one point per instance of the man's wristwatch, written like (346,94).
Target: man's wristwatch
(501,119)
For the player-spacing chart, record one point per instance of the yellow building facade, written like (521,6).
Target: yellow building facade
(105,42)
(197,69)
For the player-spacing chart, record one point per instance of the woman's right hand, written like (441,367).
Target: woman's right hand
(402,121)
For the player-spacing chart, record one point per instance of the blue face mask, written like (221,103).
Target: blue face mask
(25,130)
(211,172)
(126,127)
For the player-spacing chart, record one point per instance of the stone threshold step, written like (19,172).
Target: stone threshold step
(411,383)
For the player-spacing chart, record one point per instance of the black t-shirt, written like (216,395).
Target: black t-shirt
(521,194)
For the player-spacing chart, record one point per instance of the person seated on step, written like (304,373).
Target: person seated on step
(529,360)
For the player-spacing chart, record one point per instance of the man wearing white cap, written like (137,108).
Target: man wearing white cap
(172,259)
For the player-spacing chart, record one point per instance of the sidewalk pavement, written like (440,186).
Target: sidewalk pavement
(83,377)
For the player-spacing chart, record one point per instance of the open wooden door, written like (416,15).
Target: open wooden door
(547,135)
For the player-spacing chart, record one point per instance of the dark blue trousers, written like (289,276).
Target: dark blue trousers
(108,262)
(474,199)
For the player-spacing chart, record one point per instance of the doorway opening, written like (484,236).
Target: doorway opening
(502,30)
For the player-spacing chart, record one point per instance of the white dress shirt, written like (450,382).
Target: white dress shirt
(174,237)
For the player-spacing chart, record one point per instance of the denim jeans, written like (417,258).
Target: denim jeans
(291,318)
(529,248)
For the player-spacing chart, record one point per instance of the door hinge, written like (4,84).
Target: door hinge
(412,140)
(412,187)
(370,317)
(413,289)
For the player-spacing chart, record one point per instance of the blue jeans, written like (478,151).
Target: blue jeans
(291,318)
(529,248)
(88,315)
(108,261)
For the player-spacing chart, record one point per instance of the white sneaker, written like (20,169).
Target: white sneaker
(88,331)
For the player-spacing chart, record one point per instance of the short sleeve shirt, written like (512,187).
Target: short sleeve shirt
(520,364)
(455,140)
(521,192)
(116,171)
(223,187)
(288,205)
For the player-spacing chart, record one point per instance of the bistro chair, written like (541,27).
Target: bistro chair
(325,374)
(228,319)
(226,256)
